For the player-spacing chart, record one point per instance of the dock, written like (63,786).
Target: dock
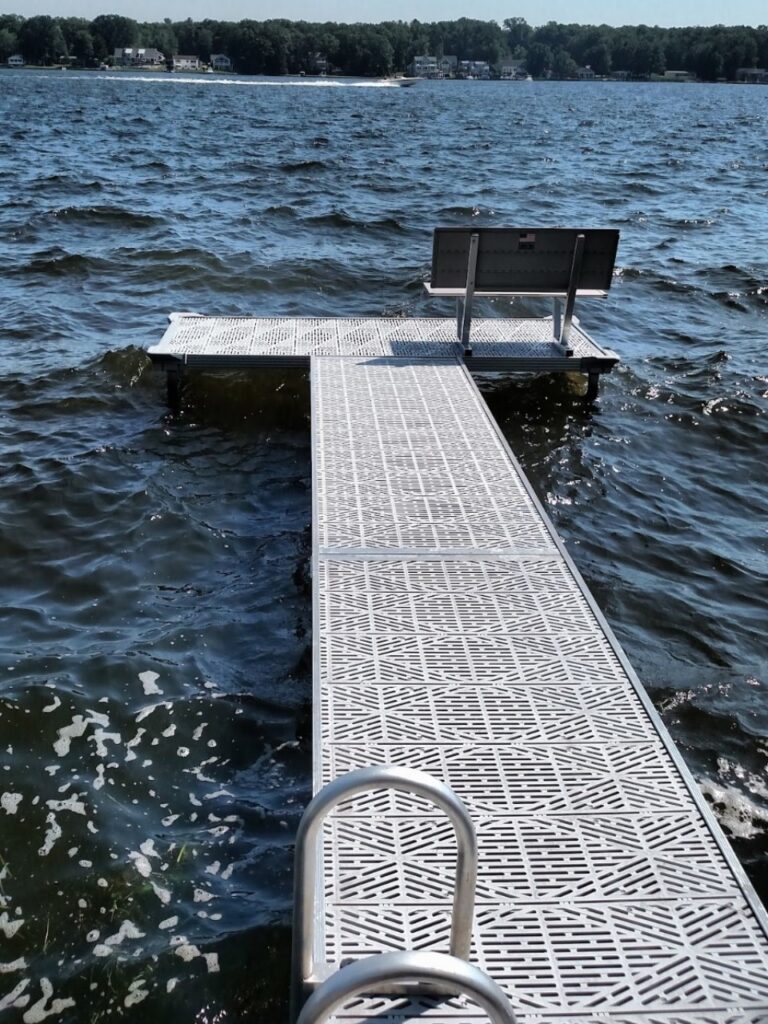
(454,637)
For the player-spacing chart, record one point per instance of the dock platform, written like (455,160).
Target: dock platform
(454,635)
(525,344)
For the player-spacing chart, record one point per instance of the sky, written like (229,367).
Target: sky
(536,12)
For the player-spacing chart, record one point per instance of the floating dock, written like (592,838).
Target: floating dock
(453,635)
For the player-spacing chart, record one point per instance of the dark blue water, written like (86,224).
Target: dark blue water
(154,670)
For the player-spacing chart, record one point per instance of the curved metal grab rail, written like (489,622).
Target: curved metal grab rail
(433,973)
(307,846)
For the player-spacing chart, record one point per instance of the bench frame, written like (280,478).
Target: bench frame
(563,301)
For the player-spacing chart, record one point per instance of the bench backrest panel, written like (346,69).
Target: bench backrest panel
(524,259)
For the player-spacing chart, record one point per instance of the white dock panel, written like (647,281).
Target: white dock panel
(454,635)
(244,341)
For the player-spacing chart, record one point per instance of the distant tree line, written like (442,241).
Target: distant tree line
(278,47)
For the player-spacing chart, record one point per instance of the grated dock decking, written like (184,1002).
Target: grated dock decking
(454,635)
(524,344)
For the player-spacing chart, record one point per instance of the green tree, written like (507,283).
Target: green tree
(115,31)
(41,40)
(9,43)
(706,61)
(519,33)
(598,57)
(563,65)
(539,59)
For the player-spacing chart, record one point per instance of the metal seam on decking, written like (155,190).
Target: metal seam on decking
(560,759)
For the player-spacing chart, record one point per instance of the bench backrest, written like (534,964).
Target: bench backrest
(518,260)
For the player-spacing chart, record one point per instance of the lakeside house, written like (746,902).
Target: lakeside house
(674,76)
(15,61)
(186,62)
(752,76)
(220,62)
(509,70)
(138,56)
(474,69)
(585,74)
(424,66)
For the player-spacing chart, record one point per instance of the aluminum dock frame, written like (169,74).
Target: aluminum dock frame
(454,639)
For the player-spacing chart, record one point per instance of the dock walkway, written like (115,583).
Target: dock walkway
(453,634)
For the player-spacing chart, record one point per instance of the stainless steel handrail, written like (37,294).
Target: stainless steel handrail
(307,854)
(423,973)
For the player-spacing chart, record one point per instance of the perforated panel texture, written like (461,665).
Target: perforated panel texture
(453,635)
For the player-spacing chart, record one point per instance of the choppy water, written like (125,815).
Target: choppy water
(154,663)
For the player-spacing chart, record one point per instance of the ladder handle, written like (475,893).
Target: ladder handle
(432,973)
(351,784)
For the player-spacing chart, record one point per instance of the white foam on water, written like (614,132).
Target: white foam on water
(148,848)
(169,922)
(170,731)
(214,868)
(183,752)
(92,935)
(52,768)
(53,833)
(52,707)
(127,930)
(141,863)
(12,998)
(147,711)
(9,927)
(14,965)
(39,1010)
(149,682)
(171,984)
(734,810)
(73,804)
(98,782)
(136,992)
(212,962)
(100,738)
(199,731)
(169,820)
(187,952)
(202,896)
(164,895)
(10,802)
(76,728)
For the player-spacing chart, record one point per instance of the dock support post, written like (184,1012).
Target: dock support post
(174,379)
(593,386)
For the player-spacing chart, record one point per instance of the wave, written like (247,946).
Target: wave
(249,82)
(104,215)
(295,166)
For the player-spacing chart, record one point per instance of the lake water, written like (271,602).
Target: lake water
(154,658)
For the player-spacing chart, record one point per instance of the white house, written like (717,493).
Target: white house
(137,56)
(15,61)
(424,67)
(184,62)
(220,62)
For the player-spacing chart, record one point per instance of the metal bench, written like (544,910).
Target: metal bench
(556,263)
